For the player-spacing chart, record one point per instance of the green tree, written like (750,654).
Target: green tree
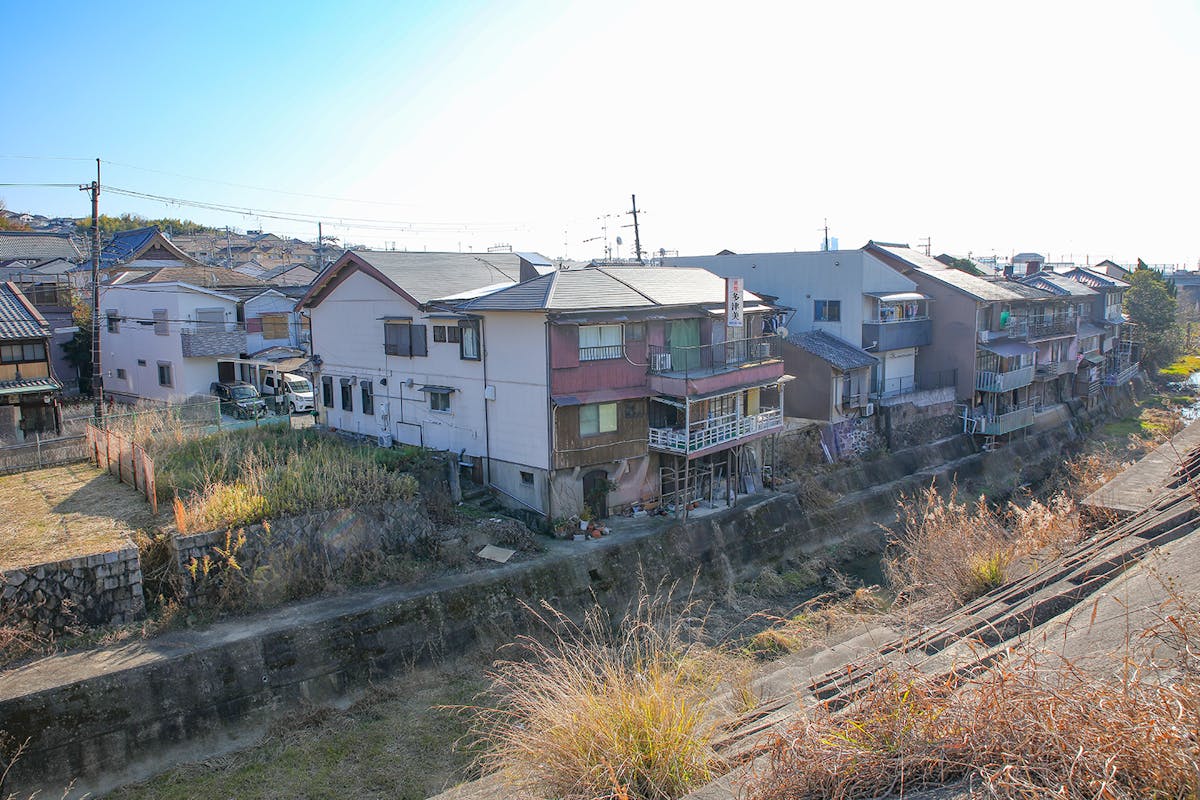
(7,224)
(1151,305)
(127,222)
(79,350)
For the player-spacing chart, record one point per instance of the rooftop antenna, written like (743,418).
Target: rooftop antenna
(927,245)
(825,247)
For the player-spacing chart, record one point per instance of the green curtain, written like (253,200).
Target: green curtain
(684,336)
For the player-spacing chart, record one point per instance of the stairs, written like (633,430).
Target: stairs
(480,496)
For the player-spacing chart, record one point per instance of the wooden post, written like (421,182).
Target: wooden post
(149,484)
(107,451)
(133,463)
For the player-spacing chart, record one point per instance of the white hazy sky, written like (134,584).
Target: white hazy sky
(1068,128)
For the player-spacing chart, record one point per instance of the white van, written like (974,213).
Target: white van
(291,391)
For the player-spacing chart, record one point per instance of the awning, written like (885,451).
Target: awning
(438,389)
(747,309)
(1087,329)
(599,396)
(1009,349)
(29,386)
(896,297)
(1094,360)
(692,398)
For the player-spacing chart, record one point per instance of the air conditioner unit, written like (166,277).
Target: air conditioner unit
(660,362)
(385,440)
(868,409)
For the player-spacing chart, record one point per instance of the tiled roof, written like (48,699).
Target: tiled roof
(976,287)
(1096,280)
(29,385)
(1058,284)
(37,246)
(18,319)
(197,276)
(426,276)
(607,287)
(834,351)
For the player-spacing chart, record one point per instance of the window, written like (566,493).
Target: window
(468,348)
(368,397)
(22,353)
(327,391)
(635,331)
(527,478)
(597,418)
(827,311)
(439,401)
(347,395)
(160,322)
(439,333)
(141,362)
(120,374)
(274,326)
(453,334)
(114,321)
(404,339)
(599,341)
(164,374)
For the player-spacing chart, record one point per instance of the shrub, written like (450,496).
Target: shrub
(605,711)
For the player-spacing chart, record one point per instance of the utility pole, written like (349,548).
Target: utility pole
(228,250)
(928,246)
(97,401)
(320,248)
(637,239)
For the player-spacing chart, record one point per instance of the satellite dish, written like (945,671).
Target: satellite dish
(782,331)
(619,240)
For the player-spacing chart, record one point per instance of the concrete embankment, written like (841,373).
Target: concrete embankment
(109,716)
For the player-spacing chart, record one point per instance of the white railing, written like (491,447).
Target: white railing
(716,431)
(1122,376)
(998,424)
(1004,381)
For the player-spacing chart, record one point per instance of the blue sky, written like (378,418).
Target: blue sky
(1067,127)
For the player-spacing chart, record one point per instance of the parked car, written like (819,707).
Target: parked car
(239,399)
(291,391)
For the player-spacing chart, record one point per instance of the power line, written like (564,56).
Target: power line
(45,185)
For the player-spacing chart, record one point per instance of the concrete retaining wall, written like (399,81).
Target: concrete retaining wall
(100,589)
(122,714)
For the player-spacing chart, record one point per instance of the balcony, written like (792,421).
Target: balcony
(700,369)
(1015,329)
(1121,376)
(896,334)
(1051,327)
(1113,316)
(1004,381)
(1000,424)
(715,432)
(1049,370)
(208,339)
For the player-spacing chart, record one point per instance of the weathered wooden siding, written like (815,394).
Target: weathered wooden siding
(628,441)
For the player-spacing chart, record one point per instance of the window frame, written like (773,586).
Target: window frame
(161,326)
(18,353)
(327,391)
(468,329)
(347,396)
(367,392)
(599,420)
(602,351)
(405,346)
(170,382)
(830,311)
(112,319)
(440,394)
(275,321)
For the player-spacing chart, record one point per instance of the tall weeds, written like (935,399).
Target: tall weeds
(603,711)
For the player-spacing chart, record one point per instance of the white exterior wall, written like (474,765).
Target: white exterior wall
(135,341)
(518,369)
(799,279)
(348,335)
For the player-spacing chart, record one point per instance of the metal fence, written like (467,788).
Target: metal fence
(896,387)
(125,459)
(42,451)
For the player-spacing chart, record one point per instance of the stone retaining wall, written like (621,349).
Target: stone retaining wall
(100,589)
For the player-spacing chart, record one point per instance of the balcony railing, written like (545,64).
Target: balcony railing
(898,387)
(213,339)
(709,359)
(1114,316)
(1015,329)
(714,432)
(1049,370)
(1121,376)
(895,334)
(1046,327)
(601,352)
(986,381)
(999,424)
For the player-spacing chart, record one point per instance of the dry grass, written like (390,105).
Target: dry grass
(949,552)
(63,512)
(1023,730)
(604,711)
(816,620)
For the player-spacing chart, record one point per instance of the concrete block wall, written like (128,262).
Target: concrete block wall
(100,589)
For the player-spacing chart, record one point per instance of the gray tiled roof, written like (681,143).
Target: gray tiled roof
(608,287)
(427,276)
(1096,280)
(197,276)
(837,352)
(16,320)
(37,246)
(1058,284)
(979,288)
(30,385)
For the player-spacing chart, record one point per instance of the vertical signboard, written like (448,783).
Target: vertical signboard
(733,302)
